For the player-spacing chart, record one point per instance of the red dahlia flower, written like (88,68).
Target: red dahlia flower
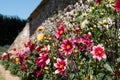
(60,31)
(97,1)
(39,48)
(5,56)
(77,30)
(98,52)
(30,46)
(41,62)
(67,46)
(117,5)
(43,59)
(61,66)
(80,43)
(87,36)
(23,67)
(38,71)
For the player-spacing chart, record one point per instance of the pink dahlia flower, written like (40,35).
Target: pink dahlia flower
(117,5)
(15,51)
(60,31)
(21,56)
(61,66)
(98,52)
(67,46)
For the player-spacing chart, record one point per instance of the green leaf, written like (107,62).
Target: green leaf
(100,76)
(72,76)
(118,60)
(108,67)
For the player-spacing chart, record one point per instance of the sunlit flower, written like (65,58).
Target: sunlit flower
(98,52)
(60,31)
(40,37)
(117,5)
(61,66)
(67,46)
(40,28)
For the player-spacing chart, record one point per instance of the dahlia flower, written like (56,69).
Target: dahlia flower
(60,31)
(61,66)
(117,5)
(98,52)
(67,46)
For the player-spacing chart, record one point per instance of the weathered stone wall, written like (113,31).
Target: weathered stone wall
(23,37)
(55,10)
(51,12)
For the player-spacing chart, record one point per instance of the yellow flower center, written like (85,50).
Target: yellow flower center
(17,60)
(82,43)
(68,47)
(99,52)
(61,66)
(61,31)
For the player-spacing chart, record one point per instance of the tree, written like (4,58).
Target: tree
(10,26)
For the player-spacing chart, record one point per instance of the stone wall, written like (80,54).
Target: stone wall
(56,10)
(23,37)
(51,12)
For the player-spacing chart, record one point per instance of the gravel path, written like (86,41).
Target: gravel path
(6,74)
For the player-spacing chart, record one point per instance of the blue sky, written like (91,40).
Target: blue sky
(20,8)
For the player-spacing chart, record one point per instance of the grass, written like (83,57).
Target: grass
(3,49)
